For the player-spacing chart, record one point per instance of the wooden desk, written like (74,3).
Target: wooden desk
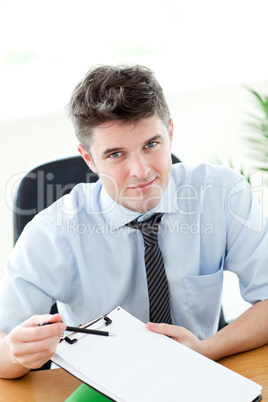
(56,385)
(39,386)
(253,365)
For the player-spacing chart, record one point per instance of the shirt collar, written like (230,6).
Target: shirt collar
(117,216)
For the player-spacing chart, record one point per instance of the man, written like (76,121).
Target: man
(85,252)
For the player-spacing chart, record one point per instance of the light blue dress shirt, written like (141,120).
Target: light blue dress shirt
(79,252)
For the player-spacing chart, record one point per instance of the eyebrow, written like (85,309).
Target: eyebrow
(112,150)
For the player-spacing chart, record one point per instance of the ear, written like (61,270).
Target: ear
(87,158)
(171,131)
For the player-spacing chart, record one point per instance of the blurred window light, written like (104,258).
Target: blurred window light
(46,47)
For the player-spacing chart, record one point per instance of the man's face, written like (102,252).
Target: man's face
(133,161)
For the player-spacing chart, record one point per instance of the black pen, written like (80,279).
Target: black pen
(81,330)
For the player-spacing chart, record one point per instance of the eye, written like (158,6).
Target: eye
(115,155)
(151,144)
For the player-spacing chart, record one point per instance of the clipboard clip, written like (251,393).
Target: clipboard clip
(97,323)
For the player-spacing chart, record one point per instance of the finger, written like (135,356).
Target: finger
(36,319)
(40,319)
(35,356)
(36,333)
(45,347)
(28,352)
(55,318)
(34,361)
(165,329)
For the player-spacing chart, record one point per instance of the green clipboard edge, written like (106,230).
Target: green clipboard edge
(85,393)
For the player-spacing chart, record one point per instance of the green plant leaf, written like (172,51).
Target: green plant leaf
(257,138)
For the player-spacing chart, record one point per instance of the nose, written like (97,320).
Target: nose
(139,166)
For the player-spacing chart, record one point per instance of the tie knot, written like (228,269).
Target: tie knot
(148,228)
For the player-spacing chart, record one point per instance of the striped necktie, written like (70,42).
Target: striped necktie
(155,270)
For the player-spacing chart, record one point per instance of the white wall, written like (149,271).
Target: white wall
(212,123)
(24,143)
(207,123)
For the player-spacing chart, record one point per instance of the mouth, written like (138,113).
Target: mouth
(143,186)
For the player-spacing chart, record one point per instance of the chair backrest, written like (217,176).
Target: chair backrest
(46,183)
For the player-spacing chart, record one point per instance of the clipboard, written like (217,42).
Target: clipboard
(98,323)
(139,365)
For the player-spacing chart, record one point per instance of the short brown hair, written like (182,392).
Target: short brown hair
(115,93)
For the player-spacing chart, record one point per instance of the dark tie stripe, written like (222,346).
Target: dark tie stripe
(155,270)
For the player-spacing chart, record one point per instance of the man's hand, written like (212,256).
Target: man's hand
(179,334)
(29,346)
(248,331)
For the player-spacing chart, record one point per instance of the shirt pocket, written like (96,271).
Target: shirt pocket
(203,293)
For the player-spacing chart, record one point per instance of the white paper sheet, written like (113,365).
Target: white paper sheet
(139,365)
